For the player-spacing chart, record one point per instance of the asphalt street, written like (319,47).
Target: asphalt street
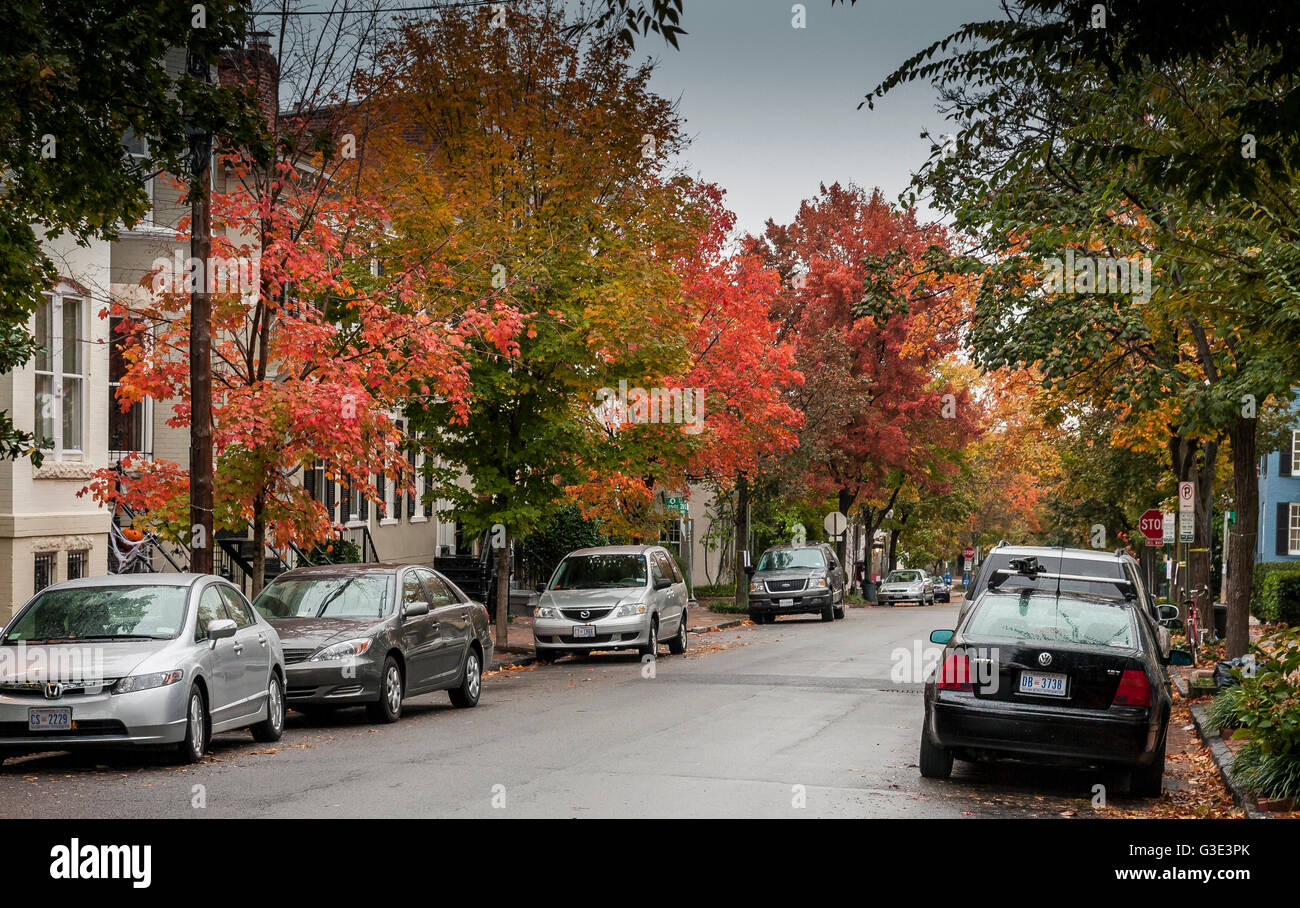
(800,718)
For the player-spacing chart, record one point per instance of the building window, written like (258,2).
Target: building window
(1295,453)
(670,536)
(45,570)
(1293,537)
(126,430)
(137,148)
(78,562)
(60,375)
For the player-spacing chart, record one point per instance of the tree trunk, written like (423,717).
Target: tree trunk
(893,549)
(502,556)
(259,545)
(1241,554)
(742,540)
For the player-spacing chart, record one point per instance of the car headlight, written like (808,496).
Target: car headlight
(147,682)
(345,650)
(755,586)
(817,583)
(544,611)
(627,609)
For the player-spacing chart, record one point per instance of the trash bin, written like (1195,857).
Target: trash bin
(1220,619)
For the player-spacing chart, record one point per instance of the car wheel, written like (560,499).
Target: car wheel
(677,645)
(936,761)
(651,646)
(272,727)
(839,610)
(388,708)
(756,617)
(828,612)
(471,686)
(545,653)
(195,743)
(1149,781)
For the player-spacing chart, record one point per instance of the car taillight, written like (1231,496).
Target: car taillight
(1133,690)
(955,674)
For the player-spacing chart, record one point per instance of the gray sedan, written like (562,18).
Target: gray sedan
(372,634)
(138,659)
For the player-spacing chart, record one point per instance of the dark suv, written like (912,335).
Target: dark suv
(797,579)
(1117,565)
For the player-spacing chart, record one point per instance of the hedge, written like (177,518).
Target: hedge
(1275,595)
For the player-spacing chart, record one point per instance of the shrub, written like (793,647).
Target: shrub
(715,591)
(1266,708)
(1266,592)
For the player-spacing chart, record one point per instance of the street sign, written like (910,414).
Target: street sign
(968,553)
(1152,525)
(1186,528)
(676,504)
(968,566)
(1169,527)
(1186,497)
(835,524)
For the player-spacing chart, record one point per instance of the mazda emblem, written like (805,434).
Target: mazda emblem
(53,690)
(584,614)
(1044,659)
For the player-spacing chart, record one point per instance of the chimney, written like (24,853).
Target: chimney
(256,67)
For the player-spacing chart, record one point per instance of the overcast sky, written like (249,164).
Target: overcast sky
(773,109)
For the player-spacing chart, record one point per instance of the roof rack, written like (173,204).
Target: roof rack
(1033,572)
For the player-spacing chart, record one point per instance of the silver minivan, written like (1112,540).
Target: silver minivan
(610,598)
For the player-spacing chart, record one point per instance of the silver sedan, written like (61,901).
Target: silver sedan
(138,659)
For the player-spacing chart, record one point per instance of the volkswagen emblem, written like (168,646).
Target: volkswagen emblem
(53,690)
(1044,659)
(584,614)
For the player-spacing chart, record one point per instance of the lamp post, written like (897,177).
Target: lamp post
(200,140)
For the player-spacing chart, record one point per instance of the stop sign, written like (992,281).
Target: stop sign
(1152,524)
(968,552)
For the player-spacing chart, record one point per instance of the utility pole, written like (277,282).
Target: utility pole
(200,541)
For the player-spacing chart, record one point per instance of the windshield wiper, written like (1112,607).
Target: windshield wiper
(41,640)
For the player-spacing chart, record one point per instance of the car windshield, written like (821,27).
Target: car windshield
(337,596)
(1031,615)
(786,559)
(905,577)
(598,572)
(102,613)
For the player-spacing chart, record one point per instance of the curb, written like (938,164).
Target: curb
(519,656)
(1223,757)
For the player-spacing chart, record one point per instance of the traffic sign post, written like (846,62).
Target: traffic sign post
(835,524)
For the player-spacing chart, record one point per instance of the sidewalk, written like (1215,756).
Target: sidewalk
(519,651)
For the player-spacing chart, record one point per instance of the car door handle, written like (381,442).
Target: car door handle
(261,640)
(238,649)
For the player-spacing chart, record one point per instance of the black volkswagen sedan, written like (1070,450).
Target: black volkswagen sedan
(373,634)
(1038,673)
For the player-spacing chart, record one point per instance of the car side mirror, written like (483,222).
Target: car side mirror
(1180,657)
(415,610)
(541,587)
(749,570)
(1166,613)
(940,637)
(221,628)
(663,583)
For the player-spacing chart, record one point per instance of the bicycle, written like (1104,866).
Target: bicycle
(1192,623)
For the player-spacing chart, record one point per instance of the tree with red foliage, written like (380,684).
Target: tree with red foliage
(872,328)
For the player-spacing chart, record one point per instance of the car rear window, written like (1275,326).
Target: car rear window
(1046,617)
(1055,564)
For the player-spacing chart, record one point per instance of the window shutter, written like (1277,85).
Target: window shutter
(1284,461)
(1283,527)
(381,486)
(363,511)
(309,479)
(329,498)
(411,501)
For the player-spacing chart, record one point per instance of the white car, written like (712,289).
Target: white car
(906,586)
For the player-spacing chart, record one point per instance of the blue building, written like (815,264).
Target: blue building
(1279,502)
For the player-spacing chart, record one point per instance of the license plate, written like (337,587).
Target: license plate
(584,630)
(49,718)
(785,603)
(1043,684)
